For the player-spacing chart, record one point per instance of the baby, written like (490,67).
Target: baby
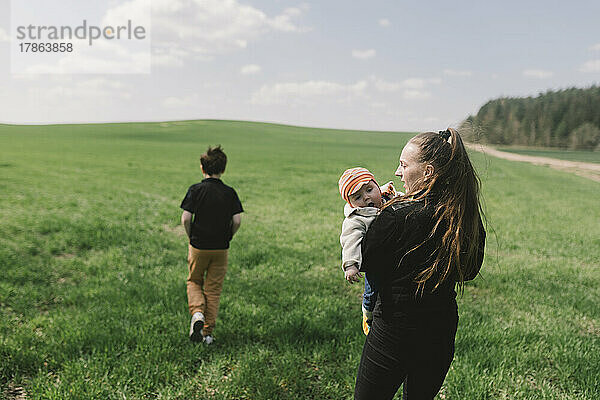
(364,198)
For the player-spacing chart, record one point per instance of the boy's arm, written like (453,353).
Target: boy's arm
(186,221)
(236,221)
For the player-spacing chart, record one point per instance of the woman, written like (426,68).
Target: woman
(419,248)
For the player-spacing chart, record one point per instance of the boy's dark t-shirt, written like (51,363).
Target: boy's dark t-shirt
(213,203)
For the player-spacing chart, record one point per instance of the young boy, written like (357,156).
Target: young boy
(364,198)
(211,216)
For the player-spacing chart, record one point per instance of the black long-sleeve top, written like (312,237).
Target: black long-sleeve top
(387,257)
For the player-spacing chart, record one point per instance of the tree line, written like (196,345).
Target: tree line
(568,118)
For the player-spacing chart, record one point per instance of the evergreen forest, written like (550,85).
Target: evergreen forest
(568,118)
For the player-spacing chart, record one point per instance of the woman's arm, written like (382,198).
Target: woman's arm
(377,246)
(472,273)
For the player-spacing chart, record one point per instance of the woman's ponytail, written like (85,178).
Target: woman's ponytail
(457,209)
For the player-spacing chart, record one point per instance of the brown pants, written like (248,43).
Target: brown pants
(205,283)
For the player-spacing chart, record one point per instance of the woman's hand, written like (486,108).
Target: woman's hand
(352,275)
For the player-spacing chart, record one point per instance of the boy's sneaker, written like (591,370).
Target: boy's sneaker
(208,339)
(196,327)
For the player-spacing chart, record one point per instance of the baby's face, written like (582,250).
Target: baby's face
(368,195)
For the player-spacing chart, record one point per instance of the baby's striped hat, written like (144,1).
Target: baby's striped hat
(352,180)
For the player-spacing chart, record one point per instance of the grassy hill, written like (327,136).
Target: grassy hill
(93,261)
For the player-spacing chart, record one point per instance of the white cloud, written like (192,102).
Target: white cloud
(414,83)
(4,36)
(201,29)
(86,90)
(104,57)
(595,47)
(58,79)
(590,66)
(101,84)
(410,83)
(24,77)
(181,102)
(250,69)
(292,11)
(320,92)
(537,73)
(384,22)
(454,72)
(170,56)
(138,11)
(414,94)
(364,54)
(285,23)
(294,93)
(102,87)
(384,86)
(212,27)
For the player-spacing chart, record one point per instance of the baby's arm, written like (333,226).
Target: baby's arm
(388,191)
(351,274)
(353,231)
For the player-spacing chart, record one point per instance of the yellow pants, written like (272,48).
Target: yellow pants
(205,283)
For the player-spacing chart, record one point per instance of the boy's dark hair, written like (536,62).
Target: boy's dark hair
(213,161)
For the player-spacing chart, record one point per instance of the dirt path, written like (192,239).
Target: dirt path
(587,170)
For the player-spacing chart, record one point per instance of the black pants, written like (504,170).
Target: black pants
(418,355)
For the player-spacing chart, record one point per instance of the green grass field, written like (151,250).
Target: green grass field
(93,260)
(570,155)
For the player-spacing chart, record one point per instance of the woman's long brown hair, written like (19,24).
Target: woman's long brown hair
(457,209)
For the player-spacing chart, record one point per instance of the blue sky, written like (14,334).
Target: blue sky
(382,65)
